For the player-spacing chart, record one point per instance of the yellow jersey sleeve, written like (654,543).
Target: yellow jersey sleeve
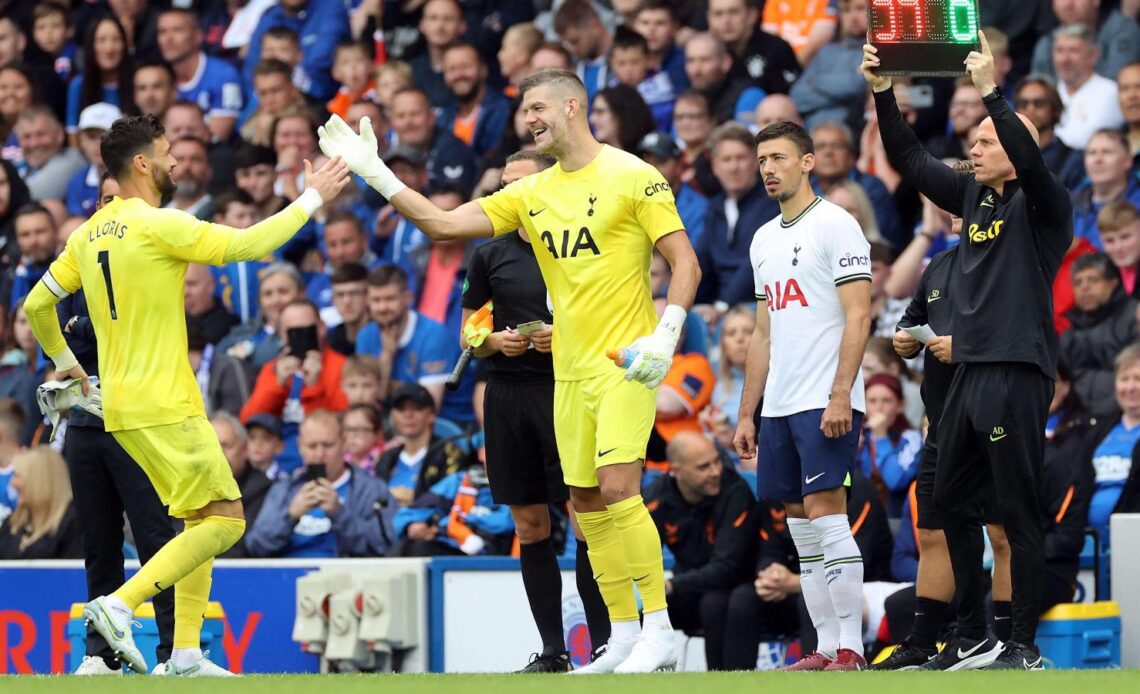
(503,207)
(61,279)
(187,238)
(653,204)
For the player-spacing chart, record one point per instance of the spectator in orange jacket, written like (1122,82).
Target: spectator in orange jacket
(292,385)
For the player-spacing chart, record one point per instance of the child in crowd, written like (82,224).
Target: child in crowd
(629,62)
(53,34)
(352,68)
(363,436)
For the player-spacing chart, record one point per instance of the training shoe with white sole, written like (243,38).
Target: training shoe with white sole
(614,655)
(116,630)
(962,653)
(93,665)
(203,668)
(655,651)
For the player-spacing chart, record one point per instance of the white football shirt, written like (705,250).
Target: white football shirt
(798,266)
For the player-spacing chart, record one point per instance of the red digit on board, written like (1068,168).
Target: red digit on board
(892,33)
(919,23)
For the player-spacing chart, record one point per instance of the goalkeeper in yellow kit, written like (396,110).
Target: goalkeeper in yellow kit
(130,257)
(593,221)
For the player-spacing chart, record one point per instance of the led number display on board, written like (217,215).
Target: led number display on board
(923,37)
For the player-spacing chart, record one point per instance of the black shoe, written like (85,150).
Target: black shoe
(1017,656)
(905,657)
(961,653)
(559,662)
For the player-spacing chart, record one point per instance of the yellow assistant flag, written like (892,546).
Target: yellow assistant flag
(479,325)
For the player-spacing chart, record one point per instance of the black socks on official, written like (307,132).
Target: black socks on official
(597,616)
(928,614)
(543,583)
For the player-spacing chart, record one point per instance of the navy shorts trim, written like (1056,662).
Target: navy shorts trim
(796,459)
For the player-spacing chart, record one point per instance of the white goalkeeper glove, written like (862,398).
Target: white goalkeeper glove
(56,397)
(360,152)
(654,353)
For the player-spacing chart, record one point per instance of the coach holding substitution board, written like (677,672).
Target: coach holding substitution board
(1017,225)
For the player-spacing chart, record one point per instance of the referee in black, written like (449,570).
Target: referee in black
(106,482)
(1017,225)
(522,457)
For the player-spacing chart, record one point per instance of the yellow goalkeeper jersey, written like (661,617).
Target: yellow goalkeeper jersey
(593,232)
(130,259)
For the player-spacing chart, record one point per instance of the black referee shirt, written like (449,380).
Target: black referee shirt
(1012,244)
(932,305)
(505,271)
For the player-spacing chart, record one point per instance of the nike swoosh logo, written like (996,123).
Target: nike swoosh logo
(931,301)
(602,454)
(640,578)
(996,619)
(997,438)
(157,587)
(532,213)
(966,654)
(117,633)
(809,480)
(1029,665)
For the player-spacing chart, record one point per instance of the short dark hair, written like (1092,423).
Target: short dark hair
(465,44)
(544,161)
(30,208)
(573,13)
(349,272)
(384,275)
(184,11)
(338,216)
(352,45)
(1095,260)
(658,5)
(282,33)
(249,155)
(272,66)
(158,63)
(47,8)
(127,137)
(231,196)
(447,188)
(1051,94)
(626,38)
(787,129)
(882,253)
(303,301)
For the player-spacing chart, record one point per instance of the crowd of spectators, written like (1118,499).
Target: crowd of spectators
(347,444)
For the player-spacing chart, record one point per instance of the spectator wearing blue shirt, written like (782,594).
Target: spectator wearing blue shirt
(657,21)
(83,187)
(659,149)
(210,82)
(890,449)
(448,160)
(320,26)
(581,29)
(419,458)
(36,239)
(1037,97)
(476,115)
(731,96)
(835,162)
(11,425)
(52,33)
(825,91)
(629,60)
(108,71)
(411,347)
(325,508)
(441,26)
(344,243)
(1114,459)
(732,219)
(1108,161)
(456,516)
(395,238)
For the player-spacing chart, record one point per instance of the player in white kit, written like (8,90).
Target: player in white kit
(813,291)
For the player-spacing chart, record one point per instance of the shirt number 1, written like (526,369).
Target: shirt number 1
(105,261)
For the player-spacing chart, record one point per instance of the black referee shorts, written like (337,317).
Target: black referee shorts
(991,442)
(522,456)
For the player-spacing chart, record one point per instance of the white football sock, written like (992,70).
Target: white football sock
(813,585)
(185,657)
(843,564)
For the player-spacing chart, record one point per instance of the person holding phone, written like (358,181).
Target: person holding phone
(305,377)
(326,508)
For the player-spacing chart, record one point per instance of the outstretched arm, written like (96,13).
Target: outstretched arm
(359,151)
(932,178)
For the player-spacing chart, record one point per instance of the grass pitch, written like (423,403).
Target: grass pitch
(976,682)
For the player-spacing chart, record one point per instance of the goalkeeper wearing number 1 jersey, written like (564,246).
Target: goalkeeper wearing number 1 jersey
(131,259)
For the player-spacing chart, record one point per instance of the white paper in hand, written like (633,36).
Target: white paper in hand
(922,333)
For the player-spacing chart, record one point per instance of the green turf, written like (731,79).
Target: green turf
(1064,681)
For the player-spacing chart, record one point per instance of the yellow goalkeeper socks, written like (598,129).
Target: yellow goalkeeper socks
(190,597)
(202,540)
(642,547)
(608,561)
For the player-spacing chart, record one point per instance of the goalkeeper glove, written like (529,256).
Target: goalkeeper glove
(56,397)
(654,353)
(359,151)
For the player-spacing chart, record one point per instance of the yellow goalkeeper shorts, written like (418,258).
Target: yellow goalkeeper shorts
(604,420)
(184,462)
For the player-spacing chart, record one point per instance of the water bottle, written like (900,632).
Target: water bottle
(622,357)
